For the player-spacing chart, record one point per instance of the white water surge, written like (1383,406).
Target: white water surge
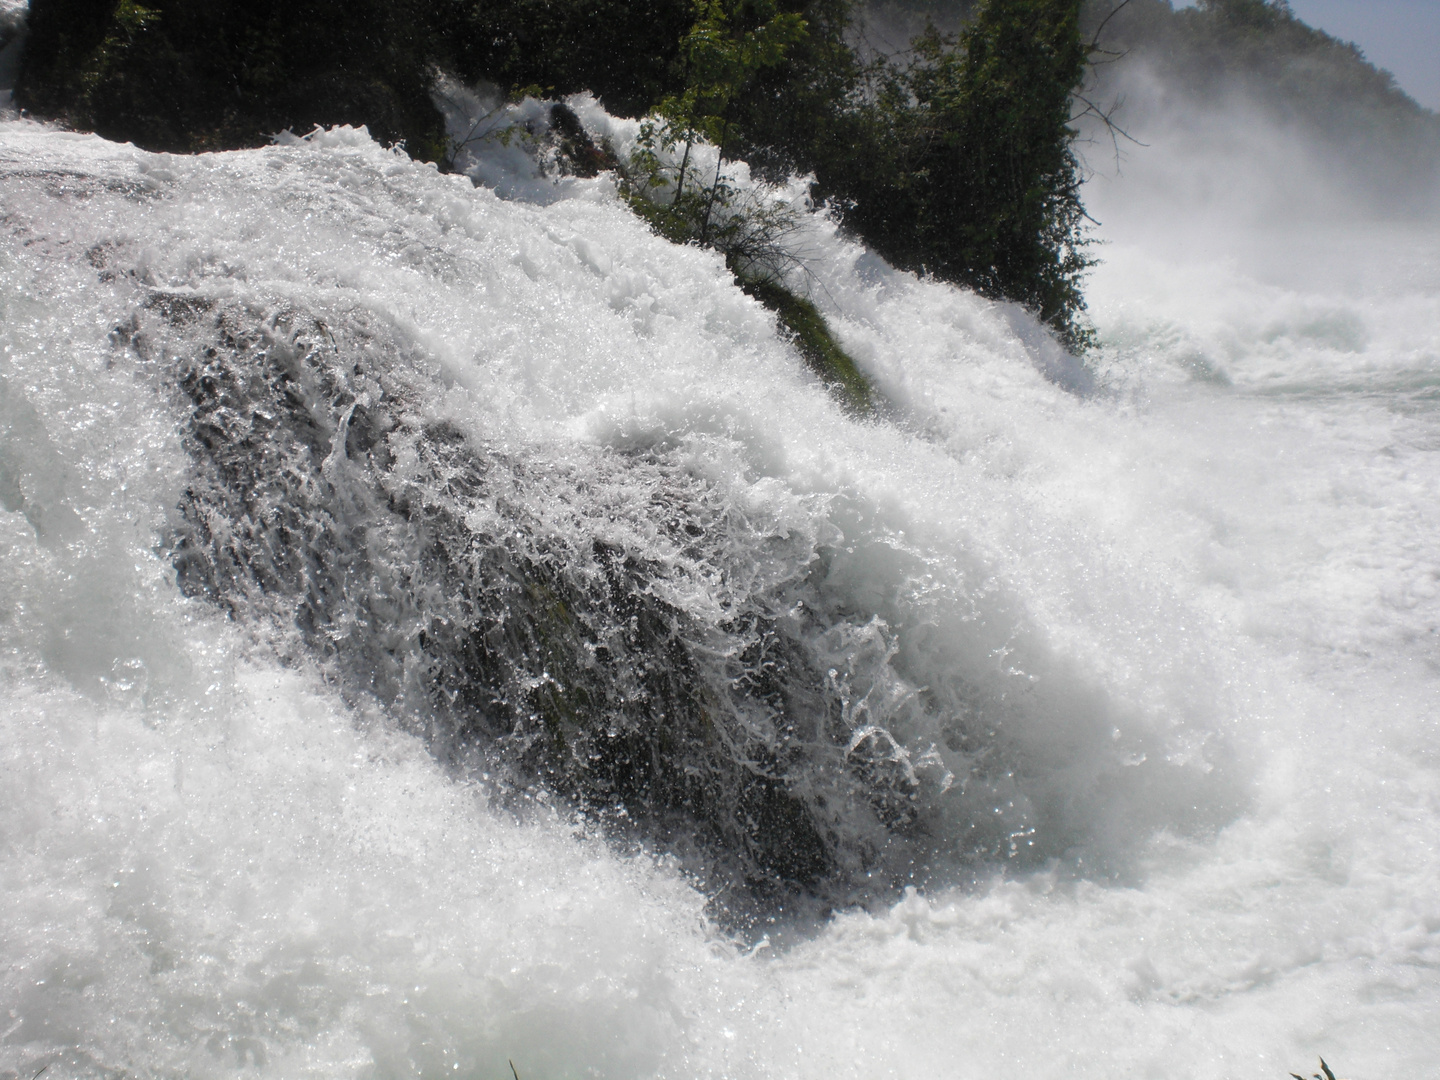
(1157,655)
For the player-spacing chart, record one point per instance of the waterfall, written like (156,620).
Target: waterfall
(444,623)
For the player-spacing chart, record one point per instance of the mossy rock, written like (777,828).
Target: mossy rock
(812,337)
(801,319)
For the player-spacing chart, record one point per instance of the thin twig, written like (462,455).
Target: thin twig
(1095,41)
(1107,118)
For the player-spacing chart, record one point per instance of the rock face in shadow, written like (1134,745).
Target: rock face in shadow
(462,586)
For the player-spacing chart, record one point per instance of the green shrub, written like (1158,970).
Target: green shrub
(953,160)
(721,54)
(185,75)
(961,163)
(625,52)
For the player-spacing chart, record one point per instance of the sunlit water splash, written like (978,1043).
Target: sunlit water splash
(1137,682)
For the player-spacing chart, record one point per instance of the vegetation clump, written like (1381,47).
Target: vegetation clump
(951,159)
(952,155)
(812,337)
(187,75)
(751,237)
(689,203)
(970,171)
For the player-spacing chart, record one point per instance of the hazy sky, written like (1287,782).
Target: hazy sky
(1401,36)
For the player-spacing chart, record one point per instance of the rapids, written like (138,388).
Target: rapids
(444,625)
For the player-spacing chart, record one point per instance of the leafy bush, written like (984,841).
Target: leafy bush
(966,168)
(623,51)
(209,74)
(720,56)
(953,159)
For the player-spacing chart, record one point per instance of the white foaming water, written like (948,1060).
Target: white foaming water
(1198,602)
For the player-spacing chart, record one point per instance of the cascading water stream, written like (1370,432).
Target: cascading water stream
(433,622)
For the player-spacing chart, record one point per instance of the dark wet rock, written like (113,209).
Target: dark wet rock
(575,150)
(421,566)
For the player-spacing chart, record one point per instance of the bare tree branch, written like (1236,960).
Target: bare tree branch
(1095,40)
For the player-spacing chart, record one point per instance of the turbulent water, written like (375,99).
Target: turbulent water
(443,624)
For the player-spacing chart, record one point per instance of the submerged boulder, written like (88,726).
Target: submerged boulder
(470,590)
